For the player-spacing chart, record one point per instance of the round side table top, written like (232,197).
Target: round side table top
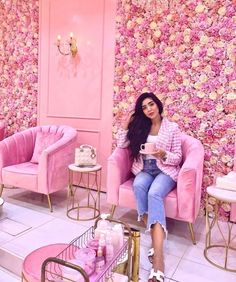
(222,194)
(73,167)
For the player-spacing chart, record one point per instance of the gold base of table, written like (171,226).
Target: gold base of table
(225,239)
(78,209)
(90,181)
(224,267)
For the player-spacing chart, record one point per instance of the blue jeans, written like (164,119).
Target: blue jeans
(151,186)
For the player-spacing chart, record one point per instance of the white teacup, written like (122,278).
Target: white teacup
(148,148)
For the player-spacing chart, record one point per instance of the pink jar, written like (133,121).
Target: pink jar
(93,244)
(88,256)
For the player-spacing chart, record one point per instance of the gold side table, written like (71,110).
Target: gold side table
(224,244)
(90,179)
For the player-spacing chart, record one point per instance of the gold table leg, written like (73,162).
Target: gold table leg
(136,254)
(93,201)
(226,245)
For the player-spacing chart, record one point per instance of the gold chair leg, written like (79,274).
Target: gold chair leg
(49,203)
(1,189)
(113,208)
(190,226)
(136,254)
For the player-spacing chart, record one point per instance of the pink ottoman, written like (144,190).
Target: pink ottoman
(31,269)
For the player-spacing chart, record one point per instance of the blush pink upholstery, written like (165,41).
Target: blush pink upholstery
(50,174)
(182,203)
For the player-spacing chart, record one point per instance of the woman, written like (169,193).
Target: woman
(155,173)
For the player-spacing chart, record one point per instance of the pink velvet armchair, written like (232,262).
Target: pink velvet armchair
(182,203)
(37,159)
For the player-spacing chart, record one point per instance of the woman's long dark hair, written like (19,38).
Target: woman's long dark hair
(140,125)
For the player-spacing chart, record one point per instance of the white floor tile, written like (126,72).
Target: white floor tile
(6,276)
(55,231)
(184,261)
(12,227)
(194,253)
(194,272)
(5,237)
(176,245)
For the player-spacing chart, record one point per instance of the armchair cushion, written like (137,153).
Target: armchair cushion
(42,142)
(13,175)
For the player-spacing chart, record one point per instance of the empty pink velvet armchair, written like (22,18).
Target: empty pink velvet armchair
(182,203)
(37,159)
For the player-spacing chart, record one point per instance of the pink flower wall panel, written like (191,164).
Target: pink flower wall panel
(18,63)
(185,53)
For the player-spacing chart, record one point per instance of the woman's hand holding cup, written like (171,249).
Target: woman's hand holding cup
(160,154)
(148,148)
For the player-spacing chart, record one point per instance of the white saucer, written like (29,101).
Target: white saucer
(145,153)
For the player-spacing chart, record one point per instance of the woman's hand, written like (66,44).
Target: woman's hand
(160,154)
(128,120)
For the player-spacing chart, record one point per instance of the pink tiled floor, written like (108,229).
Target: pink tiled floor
(184,261)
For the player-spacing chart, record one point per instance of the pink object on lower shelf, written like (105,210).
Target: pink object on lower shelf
(31,269)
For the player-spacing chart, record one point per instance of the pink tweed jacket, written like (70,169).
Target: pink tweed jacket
(169,140)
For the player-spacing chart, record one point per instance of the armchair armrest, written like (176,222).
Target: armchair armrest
(53,165)
(189,182)
(16,149)
(118,171)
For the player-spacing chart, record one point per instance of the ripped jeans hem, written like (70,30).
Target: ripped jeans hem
(140,217)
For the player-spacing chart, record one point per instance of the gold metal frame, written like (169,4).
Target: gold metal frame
(23,279)
(210,223)
(136,254)
(1,189)
(136,250)
(64,263)
(190,226)
(49,203)
(113,208)
(93,201)
(131,266)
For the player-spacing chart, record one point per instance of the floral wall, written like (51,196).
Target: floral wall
(184,51)
(18,63)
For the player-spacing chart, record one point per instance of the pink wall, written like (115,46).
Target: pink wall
(78,91)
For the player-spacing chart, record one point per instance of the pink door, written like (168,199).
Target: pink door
(78,90)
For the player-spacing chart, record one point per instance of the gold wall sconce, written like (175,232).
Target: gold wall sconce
(67,47)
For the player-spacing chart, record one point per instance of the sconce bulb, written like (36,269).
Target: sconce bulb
(71,45)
